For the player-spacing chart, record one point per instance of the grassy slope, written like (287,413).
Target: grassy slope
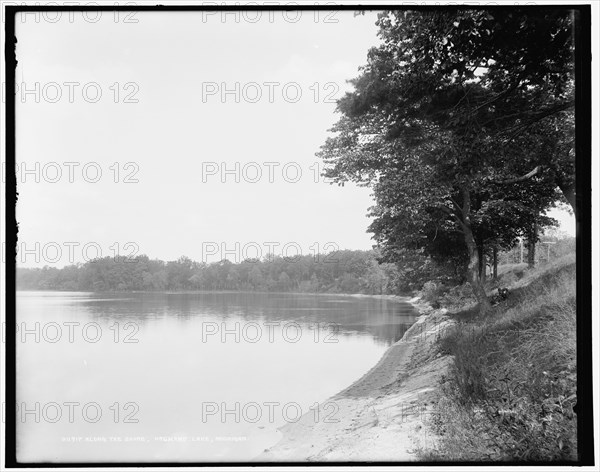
(512,388)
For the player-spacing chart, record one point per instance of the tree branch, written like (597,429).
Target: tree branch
(453,214)
(517,130)
(501,94)
(522,178)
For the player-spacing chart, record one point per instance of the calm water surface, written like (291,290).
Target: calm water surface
(185,377)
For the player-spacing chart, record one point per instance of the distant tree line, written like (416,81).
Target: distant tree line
(345,271)
(336,272)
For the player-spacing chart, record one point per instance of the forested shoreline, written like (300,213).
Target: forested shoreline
(462,122)
(336,272)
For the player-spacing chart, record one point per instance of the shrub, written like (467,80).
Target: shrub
(432,291)
(460,295)
(511,391)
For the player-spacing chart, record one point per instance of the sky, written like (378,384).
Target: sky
(194,134)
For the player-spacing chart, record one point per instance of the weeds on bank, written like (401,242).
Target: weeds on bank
(512,389)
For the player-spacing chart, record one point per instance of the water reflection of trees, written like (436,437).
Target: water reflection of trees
(385,320)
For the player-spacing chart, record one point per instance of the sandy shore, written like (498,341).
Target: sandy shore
(380,417)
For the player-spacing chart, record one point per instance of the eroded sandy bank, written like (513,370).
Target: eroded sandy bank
(380,417)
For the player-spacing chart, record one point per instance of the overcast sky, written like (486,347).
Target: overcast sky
(184,96)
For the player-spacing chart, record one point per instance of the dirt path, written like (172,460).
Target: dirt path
(380,416)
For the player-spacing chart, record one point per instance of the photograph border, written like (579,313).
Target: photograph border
(583,136)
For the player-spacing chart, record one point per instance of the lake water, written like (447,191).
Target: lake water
(185,377)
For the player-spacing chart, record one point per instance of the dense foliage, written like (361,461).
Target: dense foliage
(462,123)
(337,272)
(512,391)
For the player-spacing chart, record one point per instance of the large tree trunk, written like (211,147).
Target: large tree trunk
(569,192)
(474,260)
(495,262)
(474,279)
(482,262)
(531,241)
